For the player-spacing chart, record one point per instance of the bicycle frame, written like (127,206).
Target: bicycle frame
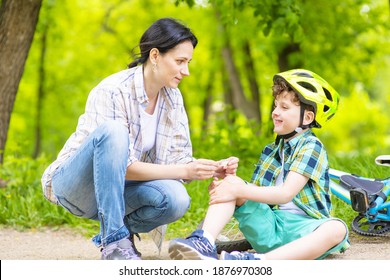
(373,209)
(343,193)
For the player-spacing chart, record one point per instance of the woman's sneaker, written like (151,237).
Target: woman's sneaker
(194,247)
(131,238)
(236,256)
(120,250)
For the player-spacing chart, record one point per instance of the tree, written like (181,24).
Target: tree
(18,19)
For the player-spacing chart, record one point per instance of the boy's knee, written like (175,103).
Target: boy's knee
(337,229)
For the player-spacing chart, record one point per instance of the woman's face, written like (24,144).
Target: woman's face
(173,66)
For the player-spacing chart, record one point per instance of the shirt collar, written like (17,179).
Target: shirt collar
(294,141)
(139,85)
(140,93)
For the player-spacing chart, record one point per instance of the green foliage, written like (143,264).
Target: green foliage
(361,126)
(345,42)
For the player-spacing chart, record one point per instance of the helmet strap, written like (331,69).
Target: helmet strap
(297,130)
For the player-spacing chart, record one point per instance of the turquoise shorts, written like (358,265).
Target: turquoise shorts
(267,229)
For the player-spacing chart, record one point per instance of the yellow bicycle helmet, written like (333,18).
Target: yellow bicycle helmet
(312,90)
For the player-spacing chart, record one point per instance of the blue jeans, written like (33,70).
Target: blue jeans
(91,184)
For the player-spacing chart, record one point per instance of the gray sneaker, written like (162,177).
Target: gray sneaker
(120,250)
(131,238)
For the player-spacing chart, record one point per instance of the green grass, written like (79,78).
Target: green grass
(24,207)
(23,203)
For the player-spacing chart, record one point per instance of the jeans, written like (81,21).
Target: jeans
(91,184)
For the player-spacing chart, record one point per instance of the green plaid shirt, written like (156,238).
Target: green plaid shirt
(305,155)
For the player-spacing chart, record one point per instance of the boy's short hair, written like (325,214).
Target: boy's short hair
(281,86)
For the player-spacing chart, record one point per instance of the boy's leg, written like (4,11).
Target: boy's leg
(262,228)
(295,236)
(314,245)
(217,216)
(198,245)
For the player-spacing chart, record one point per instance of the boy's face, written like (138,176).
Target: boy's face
(286,114)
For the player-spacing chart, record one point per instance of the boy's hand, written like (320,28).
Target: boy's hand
(225,190)
(227,167)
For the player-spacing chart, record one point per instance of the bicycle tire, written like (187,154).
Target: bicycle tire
(235,245)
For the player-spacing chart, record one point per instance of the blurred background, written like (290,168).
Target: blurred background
(242,44)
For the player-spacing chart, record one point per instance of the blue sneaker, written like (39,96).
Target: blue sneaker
(194,247)
(236,256)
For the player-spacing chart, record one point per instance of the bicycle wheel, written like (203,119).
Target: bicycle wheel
(231,238)
(363,226)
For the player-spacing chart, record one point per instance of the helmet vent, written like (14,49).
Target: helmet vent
(307,86)
(328,95)
(326,108)
(303,74)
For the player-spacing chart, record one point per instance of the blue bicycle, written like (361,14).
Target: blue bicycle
(368,197)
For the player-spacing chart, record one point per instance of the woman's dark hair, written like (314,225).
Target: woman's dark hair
(164,34)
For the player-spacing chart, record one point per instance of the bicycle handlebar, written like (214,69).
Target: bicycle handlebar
(383,160)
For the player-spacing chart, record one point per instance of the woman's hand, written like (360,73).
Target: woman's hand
(201,169)
(227,167)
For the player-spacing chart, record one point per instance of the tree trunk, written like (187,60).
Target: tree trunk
(18,19)
(41,91)
(207,103)
(253,84)
(283,57)
(239,99)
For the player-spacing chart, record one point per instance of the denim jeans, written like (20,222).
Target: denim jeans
(91,184)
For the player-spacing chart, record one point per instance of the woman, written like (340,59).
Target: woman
(125,163)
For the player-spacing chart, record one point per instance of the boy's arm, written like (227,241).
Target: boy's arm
(228,190)
(278,194)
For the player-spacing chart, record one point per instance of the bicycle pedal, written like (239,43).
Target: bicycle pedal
(359,200)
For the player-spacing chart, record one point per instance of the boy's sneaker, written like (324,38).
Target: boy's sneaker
(120,250)
(236,256)
(194,247)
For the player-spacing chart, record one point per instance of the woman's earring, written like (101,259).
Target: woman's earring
(154,67)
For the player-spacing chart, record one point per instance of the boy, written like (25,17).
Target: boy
(288,216)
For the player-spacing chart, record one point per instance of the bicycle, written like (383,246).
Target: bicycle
(368,197)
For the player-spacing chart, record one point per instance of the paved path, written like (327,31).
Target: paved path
(64,244)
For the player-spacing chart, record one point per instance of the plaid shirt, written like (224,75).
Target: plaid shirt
(305,155)
(120,97)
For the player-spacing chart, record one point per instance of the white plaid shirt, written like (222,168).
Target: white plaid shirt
(120,97)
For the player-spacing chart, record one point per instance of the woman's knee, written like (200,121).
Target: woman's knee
(178,200)
(115,134)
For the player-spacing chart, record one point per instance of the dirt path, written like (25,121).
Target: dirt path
(64,244)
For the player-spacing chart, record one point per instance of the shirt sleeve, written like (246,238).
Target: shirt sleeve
(106,103)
